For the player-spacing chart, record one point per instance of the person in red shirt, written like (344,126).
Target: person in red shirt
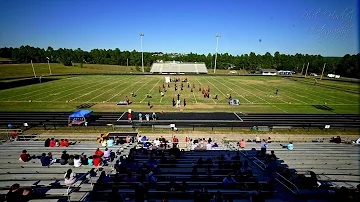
(62,143)
(52,142)
(66,143)
(129,117)
(99,153)
(96,160)
(25,157)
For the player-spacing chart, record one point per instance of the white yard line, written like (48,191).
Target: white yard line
(122,82)
(119,93)
(121,116)
(212,85)
(143,85)
(261,98)
(195,97)
(233,91)
(313,94)
(49,94)
(92,86)
(274,96)
(238,117)
(151,90)
(32,92)
(94,90)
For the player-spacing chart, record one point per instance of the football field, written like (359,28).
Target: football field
(256,94)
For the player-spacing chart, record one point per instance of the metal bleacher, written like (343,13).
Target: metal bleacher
(177,67)
(335,165)
(49,181)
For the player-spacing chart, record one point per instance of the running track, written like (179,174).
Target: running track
(188,119)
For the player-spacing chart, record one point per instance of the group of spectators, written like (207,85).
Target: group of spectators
(56,143)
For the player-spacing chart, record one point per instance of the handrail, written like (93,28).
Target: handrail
(297,189)
(68,189)
(256,159)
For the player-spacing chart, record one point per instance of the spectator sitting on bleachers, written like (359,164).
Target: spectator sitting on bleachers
(62,143)
(357,141)
(90,161)
(290,146)
(45,160)
(114,195)
(104,142)
(215,145)
(84,160)
(268,140)
(47,142)
(263,149)
(66,143)
(228,181)
(69,177)
(96,160)
(98,153)
(336,139)
(103,177)
(52,142)
(242,144)
(57,143)
(64,158)
(25,157)
(77,161)
(110,142)
(150,178)
(71,160)
(17,194)
(257,139)
(208,146)
(107,153)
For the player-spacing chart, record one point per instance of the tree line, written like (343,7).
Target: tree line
(347,66)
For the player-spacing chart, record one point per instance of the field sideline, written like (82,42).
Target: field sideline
(257,95)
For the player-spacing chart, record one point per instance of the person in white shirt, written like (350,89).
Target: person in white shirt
(77,161)
(69,177)
(107,153)
(157,142)
(208,146)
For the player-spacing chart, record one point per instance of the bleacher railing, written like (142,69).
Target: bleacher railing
(258,162)
(294,191)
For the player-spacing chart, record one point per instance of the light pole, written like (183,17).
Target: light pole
(217,43)
(142,53)
(49,65)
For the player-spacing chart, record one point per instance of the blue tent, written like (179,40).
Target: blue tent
(79,116)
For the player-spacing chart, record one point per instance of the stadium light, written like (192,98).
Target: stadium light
(49,64)
(217,44)
(142,53)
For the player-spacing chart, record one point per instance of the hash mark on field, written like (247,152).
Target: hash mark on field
(88,93)
(262,99)
(211,84)
(119,93)
(151,90)
(126,79)
(92,86)
(234,91)
(68,89)
(31,92)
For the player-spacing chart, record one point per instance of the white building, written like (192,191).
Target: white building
(270,72)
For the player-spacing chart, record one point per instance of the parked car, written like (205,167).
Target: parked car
(313,74)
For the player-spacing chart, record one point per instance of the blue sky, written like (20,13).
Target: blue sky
(326,27)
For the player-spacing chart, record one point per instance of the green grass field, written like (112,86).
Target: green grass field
(256,94)
(42,69)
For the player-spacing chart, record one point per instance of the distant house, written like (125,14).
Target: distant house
(268,71)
